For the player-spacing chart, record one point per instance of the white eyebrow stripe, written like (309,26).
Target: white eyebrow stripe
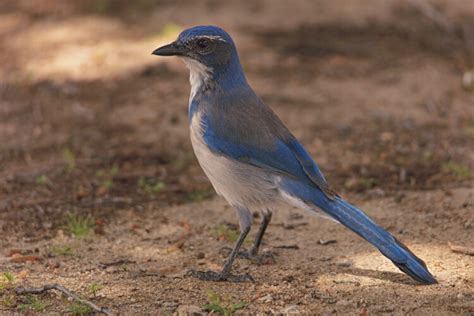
(212,37)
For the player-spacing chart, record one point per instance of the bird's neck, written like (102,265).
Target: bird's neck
(199,76)
(203,78)
(230,76)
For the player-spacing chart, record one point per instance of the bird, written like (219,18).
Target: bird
(253,161)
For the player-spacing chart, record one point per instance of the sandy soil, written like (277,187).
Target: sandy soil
(92,125)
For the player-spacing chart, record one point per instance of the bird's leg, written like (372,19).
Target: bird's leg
(252,253)
(266,218)
(245,220)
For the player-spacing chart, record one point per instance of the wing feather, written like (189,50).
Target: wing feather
(249,131)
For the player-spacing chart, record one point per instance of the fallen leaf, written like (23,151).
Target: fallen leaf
(23,274)
(168,270)
(20,258)
(13,252)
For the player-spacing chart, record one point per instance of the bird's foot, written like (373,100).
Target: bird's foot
(266,257)
(219,276)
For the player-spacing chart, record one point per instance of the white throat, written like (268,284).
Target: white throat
(199,74)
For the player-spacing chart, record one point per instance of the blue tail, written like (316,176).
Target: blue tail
(361,224)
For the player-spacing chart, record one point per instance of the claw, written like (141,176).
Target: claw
(266,257)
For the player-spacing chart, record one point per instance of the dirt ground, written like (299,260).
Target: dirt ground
(100,191)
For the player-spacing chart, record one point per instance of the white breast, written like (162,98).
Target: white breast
(199,74)
(240,184)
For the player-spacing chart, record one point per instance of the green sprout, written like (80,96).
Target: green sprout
(107,176)
(170,30)
(7,280)
(79,309)
(9,277)
(224,307)
(8,301)
(470,130)
(224,231)
(32,303)
(61,250)
(79,226)
(151,187)
(69,159)
(457,169)
(42,180)
(94,288)
(199,195)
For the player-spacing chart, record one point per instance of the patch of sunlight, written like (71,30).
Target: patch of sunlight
(327,281)
(86,48)
(175,234)
(170,31)
(154,252)
(372,269)
(441,261)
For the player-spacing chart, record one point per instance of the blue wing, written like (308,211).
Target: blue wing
(280,152)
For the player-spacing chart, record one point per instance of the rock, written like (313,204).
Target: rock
(188,310)
(343,303)
(266,299)
(290,309)
(468,80)
(170,305)
(201,255)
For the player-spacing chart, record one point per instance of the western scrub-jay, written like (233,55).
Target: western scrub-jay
(251,158)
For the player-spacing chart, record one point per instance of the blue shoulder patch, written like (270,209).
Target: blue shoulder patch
(288,158)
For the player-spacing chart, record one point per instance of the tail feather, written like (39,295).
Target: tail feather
(388,245)
(361,224)
(426,275)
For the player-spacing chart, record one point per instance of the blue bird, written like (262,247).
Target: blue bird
(251,158)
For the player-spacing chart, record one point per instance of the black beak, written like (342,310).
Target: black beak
(172,49)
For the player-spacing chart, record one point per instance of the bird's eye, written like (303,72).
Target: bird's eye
(202,43)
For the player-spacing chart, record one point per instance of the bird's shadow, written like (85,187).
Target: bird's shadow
(394,277)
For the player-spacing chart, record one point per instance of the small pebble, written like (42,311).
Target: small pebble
(189,310)
(289,309)
(267,298)
(343,303)
(468,80)
(323,259)
(344,263)
(201,255)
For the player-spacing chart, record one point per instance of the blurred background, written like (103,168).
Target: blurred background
(380,92)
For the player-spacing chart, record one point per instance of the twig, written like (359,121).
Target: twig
(326,242)
(468,36)
(115,263)
(60,288)
(287,247)
(293,225)
(433,14)
(461,249)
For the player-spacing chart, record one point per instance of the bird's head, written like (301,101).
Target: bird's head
(210,46)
